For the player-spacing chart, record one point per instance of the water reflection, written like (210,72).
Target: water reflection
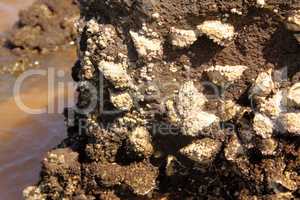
(24,138)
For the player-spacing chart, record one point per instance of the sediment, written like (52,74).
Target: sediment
(181,100)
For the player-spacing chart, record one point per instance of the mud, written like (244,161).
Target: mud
(204,85)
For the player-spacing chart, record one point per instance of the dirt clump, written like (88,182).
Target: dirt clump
(43,27)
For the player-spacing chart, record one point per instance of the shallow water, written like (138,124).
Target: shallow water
(25,137)
(9,12)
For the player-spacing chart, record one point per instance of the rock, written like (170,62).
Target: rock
(222,75)
(122,101)
(219,32)
(263,84)
(293,95)
(289,122)
(182,38)
(202,151)
(140,142)
(263,126)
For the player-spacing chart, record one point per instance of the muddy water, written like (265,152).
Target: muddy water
(9,12)
(25,137)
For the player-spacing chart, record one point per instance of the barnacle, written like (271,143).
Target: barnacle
(33,193)
(202,151)
(293,95)
(267,146)
(222,75)
(182,38)
(219,32)
(260,3)
(122,101)
(289,122)
(263,84)
(140,141)
(272,106)
(146,47)
(262,125)
(115,73)
(186,110)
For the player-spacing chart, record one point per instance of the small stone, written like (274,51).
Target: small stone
(263,84)
(202,151)
(221,75)
(122,101)
(140,141)
(219,32)
(263,125)
(293,96)
(290,122)
(182,38)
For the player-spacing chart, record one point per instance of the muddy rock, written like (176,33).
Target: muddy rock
(46,24)
(44,27)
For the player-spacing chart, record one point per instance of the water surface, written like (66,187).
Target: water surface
(24,137)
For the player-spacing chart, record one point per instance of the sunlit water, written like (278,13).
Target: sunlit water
(24,137)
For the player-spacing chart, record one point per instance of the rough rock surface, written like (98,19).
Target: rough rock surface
(190,103)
